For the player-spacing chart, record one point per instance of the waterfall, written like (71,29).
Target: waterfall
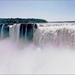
(21,32)
(63,36)
(26,34)
(18,32)
(54,34)
(2,31)
(14,32)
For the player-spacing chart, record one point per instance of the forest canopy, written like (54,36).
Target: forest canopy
(22,20)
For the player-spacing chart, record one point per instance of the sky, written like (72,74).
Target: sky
(50,10)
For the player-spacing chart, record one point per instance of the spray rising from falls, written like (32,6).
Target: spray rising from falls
(32,48)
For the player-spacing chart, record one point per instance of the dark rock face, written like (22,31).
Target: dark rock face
(35,26)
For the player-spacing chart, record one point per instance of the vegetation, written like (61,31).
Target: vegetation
(21,20)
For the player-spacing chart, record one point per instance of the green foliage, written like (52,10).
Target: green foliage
(21,20)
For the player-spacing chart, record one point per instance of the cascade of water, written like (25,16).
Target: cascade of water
(33,30)
(18,31)
(59,36)
(55,35)
(10,32)
(2,31)
(14,32)
(21,32)
(25,34)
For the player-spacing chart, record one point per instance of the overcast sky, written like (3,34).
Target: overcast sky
(46,9)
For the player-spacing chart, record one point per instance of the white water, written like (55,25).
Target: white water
(14,32)
(2,32)
(40,56)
